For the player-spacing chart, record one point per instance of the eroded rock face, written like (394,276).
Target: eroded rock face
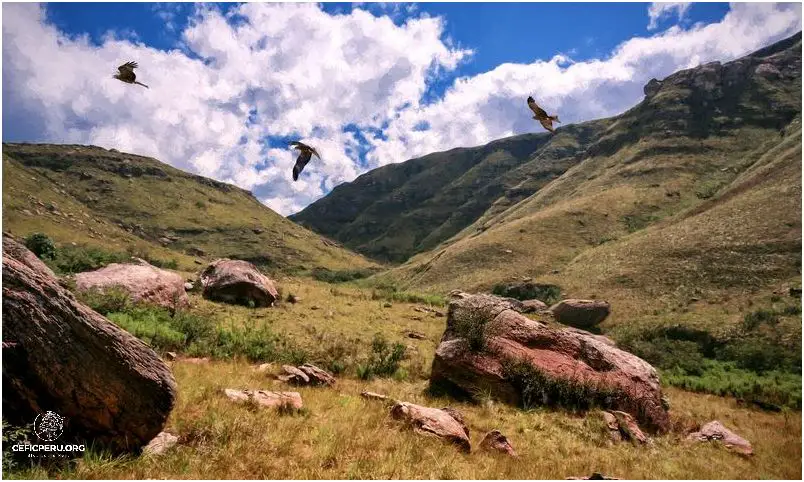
(525,361)
(580,313)
(533,306)
(143,282)
(622,426)
(59,355)
(652,87)
(715,430)
(239,282)
(446,424)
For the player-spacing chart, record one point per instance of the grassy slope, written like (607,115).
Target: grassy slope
(116,201)
(398,210)
(342,436)
(629,221)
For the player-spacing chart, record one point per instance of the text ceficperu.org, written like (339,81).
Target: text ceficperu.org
(47,448)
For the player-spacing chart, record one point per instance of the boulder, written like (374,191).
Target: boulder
(580,313)
(112,388)
(622,426)
(526,362)
(144,283)
(239,282)
(652,87)
(265,398)
(716,431)
(495,441)
(19,252)
(446,424)
(533,306)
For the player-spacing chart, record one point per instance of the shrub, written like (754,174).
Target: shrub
(471,326)
(108,300)
(41,245)
(383,361)
(341,276)
(752,320)
(546,293)
(76,259)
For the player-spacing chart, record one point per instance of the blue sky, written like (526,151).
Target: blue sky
(231,83)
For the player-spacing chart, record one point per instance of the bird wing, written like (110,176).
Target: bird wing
(301,161)
(298,145)
(127,67)
(540,113)
(312,149)
(547,123)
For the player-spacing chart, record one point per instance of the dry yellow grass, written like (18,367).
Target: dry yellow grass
(342,436)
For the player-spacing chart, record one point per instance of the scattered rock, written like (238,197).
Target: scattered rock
(440,423)
(571,358)
(307,374)
(170,355)
(188,286)
(264,367)
(580,313)
(375,396)
(160,444)
(144,283)
(266,398)
(315,307)
(495,441)
(508,251)
(652,87)
(59,354)
(258,231)
(387,305)
(622,426)
(533,306)
(239,282)
(416,335)
(292,299)
(716,431)
(195,251)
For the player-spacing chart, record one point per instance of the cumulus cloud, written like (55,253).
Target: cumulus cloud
(246,80)
(659,10)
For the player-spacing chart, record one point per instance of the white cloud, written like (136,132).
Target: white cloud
(294,70)
(659,10)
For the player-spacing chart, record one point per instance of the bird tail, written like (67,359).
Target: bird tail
(142,84)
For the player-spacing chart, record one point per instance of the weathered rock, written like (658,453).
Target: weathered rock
(652,87)
(266,398)
(533,306)
(622,426)
(416,335)
(716,431)
(188,286)
(495,441)
(607,376)
(600,338)
(160,444)
(19,252)
(376,396)
(580,313)
(434,422)
(111,387)
(307,374)
(264,367)
(594,476)
(170,355)
(239,282)
(293,299)
(144,283)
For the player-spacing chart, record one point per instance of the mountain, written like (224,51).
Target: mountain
(697,187)
(123,202)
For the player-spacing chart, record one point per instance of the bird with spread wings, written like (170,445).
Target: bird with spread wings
(540,115)
(126,74)
(305,153)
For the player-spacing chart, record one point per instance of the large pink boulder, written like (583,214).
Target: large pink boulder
(144,283)
(239,282)
(489,347)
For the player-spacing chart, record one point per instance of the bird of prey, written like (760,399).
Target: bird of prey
(540,115)
(305,153)
(127,74)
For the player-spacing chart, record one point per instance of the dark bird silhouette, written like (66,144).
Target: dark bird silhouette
(540,115)
(126,74)
(305,153)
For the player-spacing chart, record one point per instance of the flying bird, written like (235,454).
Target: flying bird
(305,152)
(127,74)
(540,115)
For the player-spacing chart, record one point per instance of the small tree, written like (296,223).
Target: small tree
(41,246)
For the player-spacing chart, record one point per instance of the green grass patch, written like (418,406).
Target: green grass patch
(341,276)
(383,361)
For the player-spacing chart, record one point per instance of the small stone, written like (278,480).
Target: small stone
(160,444)
(387,305)
(266,398)
(170,355)
(495,441)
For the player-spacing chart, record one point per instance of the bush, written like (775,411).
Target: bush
(752,320)
(546,293)
(341,276)
(384,359)
(76,259)
(391,294)
(471,326)
(40,245)
(109,300)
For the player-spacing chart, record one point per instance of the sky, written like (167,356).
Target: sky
(367,84)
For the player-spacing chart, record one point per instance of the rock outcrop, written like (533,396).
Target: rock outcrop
(306,374)
(263,398)
(489,347)
(580,313)
(144,283)
(61,356)
(238,282)
(495,441)
(446,424)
